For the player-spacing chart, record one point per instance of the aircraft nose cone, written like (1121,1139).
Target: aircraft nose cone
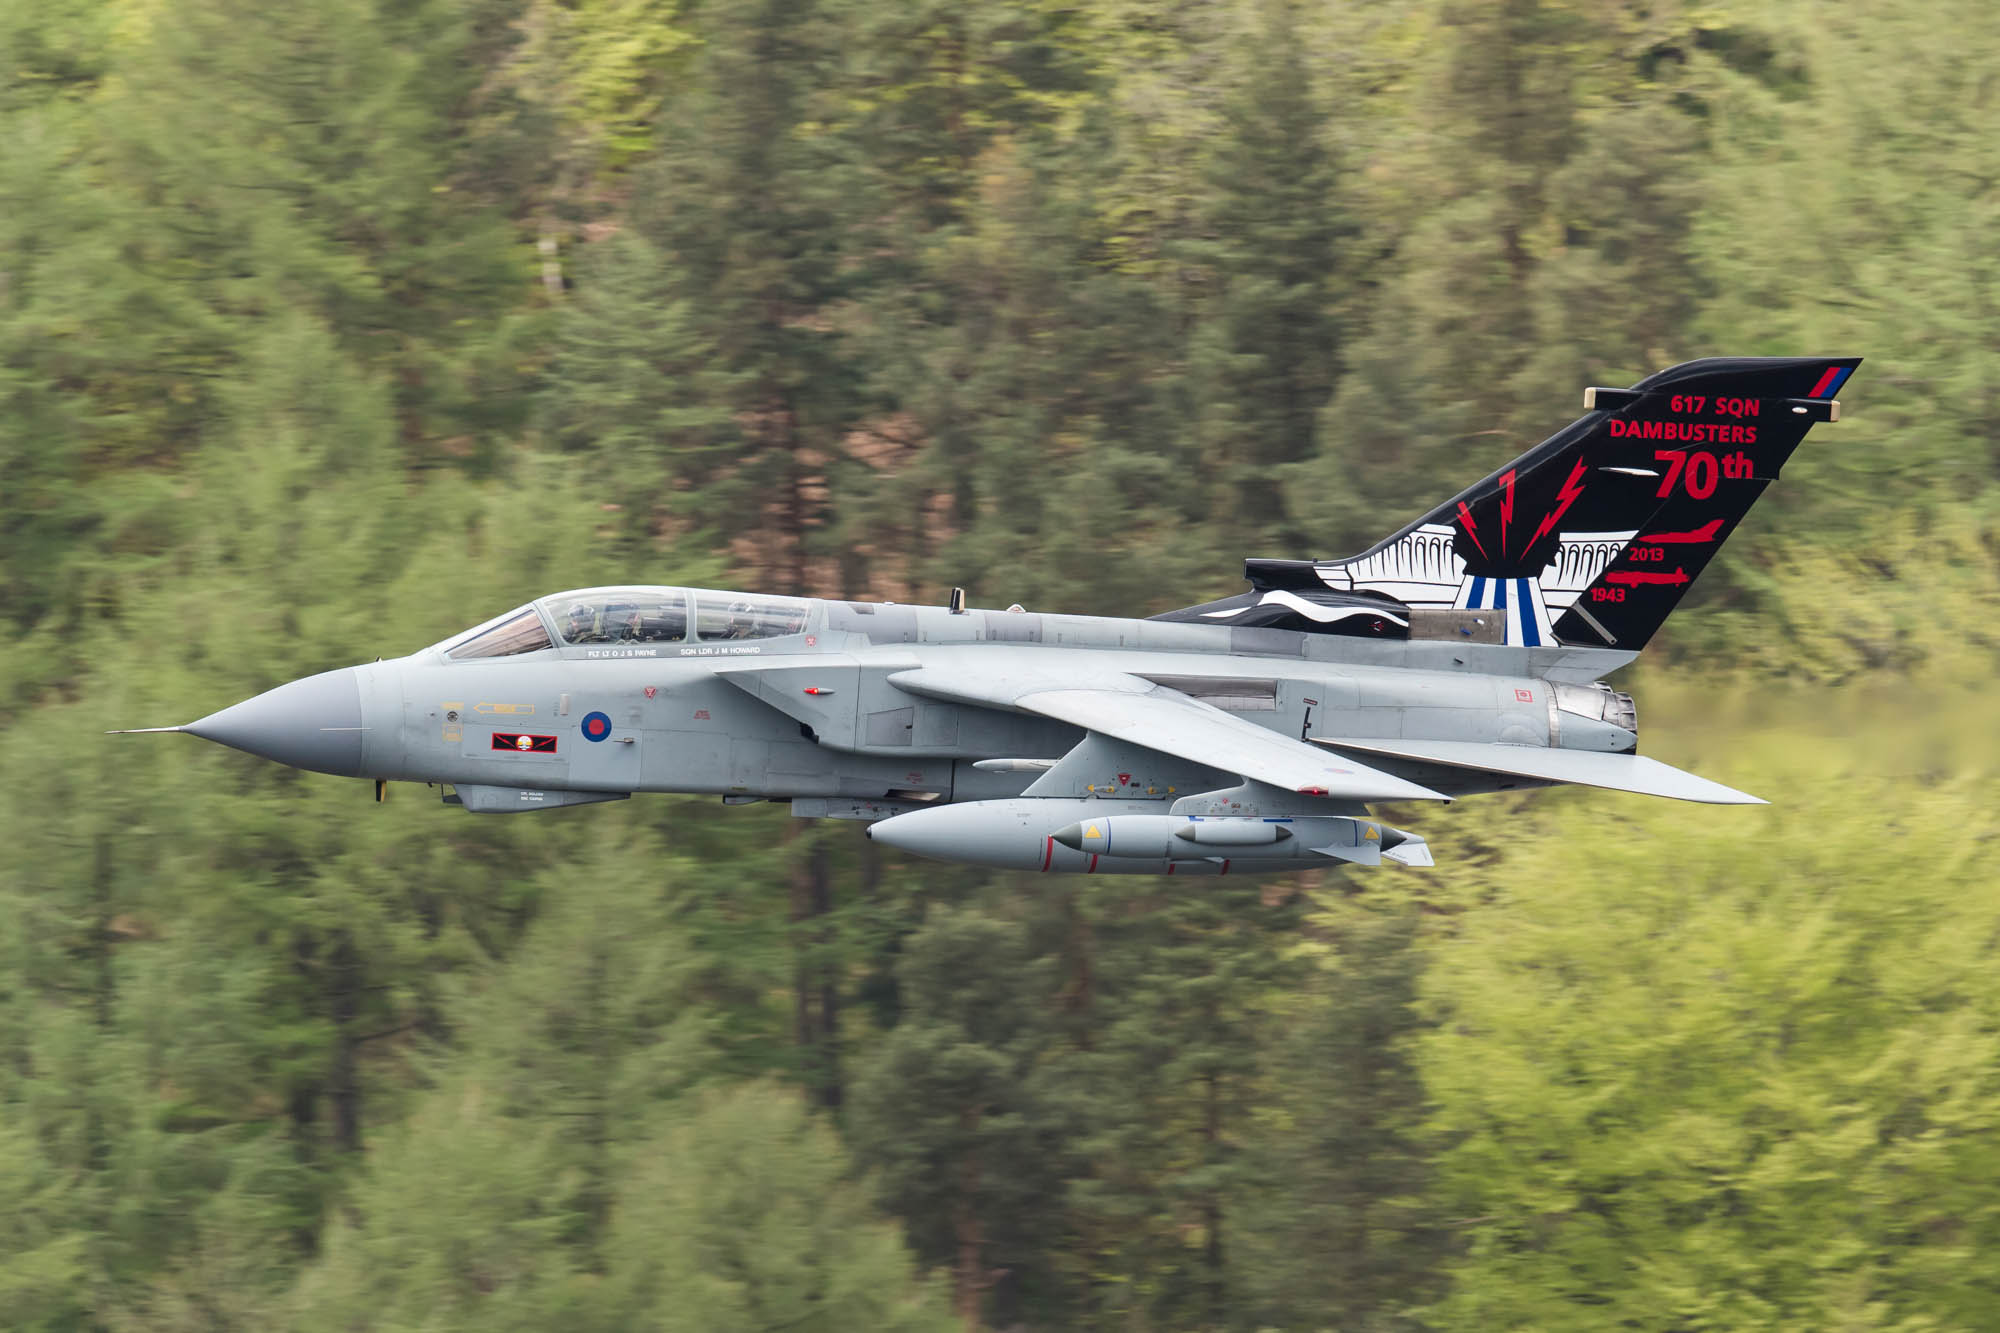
(314,723)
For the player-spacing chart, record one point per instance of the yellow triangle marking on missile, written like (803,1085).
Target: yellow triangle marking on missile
(1374,834)
(1092,832)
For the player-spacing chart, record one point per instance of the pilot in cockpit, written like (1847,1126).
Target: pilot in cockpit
(580,625)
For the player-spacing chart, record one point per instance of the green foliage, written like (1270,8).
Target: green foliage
(1265,353)
(638,389)
(937,85)
(1032,357)
(745,1217)
(1074,305)
(1726,1075)
(959,1113)
(618,60)
(747,209)
(452,1227)
(1184,989)
(1916,280)
(1337,1223)
(1542,230)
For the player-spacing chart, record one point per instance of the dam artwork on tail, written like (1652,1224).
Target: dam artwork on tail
(1464,653)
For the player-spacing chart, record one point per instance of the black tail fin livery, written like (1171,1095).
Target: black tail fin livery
(1592,537)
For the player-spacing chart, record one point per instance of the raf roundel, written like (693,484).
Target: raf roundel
(596,726)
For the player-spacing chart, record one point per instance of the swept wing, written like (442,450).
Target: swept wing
(1127,708)
(1616,772)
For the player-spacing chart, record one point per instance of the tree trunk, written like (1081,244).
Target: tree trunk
(801,909)
(302,1100)
(969,1273)
(598,1187)
(1211,1208)
(830,1090)
(815,980)
(102,983)
(344,1074)
(549,245)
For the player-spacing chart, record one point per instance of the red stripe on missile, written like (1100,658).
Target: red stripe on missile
(1049,853)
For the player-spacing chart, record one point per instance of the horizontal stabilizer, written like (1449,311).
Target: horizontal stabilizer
(1588,768)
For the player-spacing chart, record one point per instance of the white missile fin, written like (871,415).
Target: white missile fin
(1414,851)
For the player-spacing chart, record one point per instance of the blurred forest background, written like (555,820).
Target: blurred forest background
(331,327)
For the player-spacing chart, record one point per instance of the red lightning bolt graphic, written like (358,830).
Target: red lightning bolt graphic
(1506,510)
(1566,497)
(1465,517)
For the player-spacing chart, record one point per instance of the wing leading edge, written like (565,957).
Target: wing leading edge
(1139,712)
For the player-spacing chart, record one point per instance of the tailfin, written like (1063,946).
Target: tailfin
(1592,537)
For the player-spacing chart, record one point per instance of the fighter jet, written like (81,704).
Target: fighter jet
(1464,653)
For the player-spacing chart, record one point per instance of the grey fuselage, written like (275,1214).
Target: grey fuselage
(813,718)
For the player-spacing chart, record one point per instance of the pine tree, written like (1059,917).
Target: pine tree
(745,222)
(1265,348)
(745,1215)
(959,1114)
(1336,1229)
(1170,1072)
(342,158)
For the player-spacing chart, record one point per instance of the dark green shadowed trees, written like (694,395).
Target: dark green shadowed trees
(329,329)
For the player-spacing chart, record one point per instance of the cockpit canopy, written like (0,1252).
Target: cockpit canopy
(620,615)
(735,615)
(519,631)
(640,615)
